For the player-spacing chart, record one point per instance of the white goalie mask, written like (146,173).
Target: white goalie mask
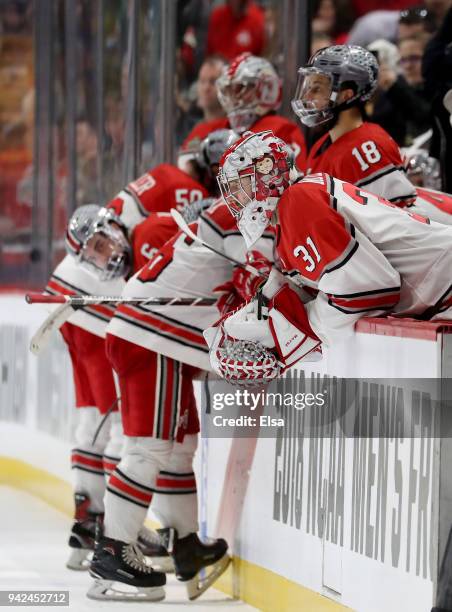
(248,89)
(95,239)
(253,175)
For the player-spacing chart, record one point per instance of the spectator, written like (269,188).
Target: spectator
(437,72)
(207,98)
(415,21)
(401,105)
(320,40)
(235,27)
(200,103)
(333,18)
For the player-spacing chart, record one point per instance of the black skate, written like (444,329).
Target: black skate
(117,562)
(151,545)
(190,556)
(81,540)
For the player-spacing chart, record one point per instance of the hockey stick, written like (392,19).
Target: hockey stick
(183,225)
(69,303)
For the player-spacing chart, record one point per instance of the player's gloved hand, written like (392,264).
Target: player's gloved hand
(228,298)
(244,346)
(246,284)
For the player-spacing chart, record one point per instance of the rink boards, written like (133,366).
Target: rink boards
(340,518)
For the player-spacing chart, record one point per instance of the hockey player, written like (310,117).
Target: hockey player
(332,90)
(249,90)
(359,253)
(158,190)
(160,424)
(99,436)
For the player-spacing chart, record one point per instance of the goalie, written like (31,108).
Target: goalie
(346,252)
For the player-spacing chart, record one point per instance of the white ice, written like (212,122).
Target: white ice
(33,553)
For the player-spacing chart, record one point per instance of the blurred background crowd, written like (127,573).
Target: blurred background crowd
(83,101)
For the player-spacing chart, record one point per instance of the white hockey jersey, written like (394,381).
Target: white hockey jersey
(362,254)
(183,269)
(69,278)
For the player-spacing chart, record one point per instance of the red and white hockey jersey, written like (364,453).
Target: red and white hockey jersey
(281,127)
(362,254)
(183,269)
(436,205)
(158,190)
(69,278)
(367,157)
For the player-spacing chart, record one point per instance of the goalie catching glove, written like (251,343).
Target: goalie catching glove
(247,350)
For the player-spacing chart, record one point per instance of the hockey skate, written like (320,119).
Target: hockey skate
(117,562)
(81,540)
(191,557)
(151,546)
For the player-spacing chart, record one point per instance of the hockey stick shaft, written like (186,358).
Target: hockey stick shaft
(68,304)
(183,225)
(87,300)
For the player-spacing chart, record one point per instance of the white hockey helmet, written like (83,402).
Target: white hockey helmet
(328,72)
(95,236)
(248,89)
(253,175)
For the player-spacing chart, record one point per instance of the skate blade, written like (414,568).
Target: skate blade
(162,564)
(79,559)
(104,590)
(197,585)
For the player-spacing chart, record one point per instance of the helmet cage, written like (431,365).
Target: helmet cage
(252,191)
(247,90)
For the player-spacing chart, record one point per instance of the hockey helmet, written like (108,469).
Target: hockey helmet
(327,73)
(423,170)
(95,236)
(253,175)
(248,89)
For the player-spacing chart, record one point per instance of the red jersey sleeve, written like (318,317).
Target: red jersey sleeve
(313,237)
(149,236)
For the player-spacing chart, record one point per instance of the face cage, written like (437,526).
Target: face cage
(232,202)
(240,105)
(308,111)
(118,263)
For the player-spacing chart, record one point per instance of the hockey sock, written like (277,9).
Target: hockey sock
(131,486)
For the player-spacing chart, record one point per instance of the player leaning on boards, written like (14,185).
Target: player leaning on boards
(357,253)
(146,198)
(160,421)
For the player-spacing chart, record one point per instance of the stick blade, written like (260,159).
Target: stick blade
(53,322)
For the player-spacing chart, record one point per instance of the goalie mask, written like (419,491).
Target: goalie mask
(95,238)
(248,89)
(253,175)
(328,72)
(423,170)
